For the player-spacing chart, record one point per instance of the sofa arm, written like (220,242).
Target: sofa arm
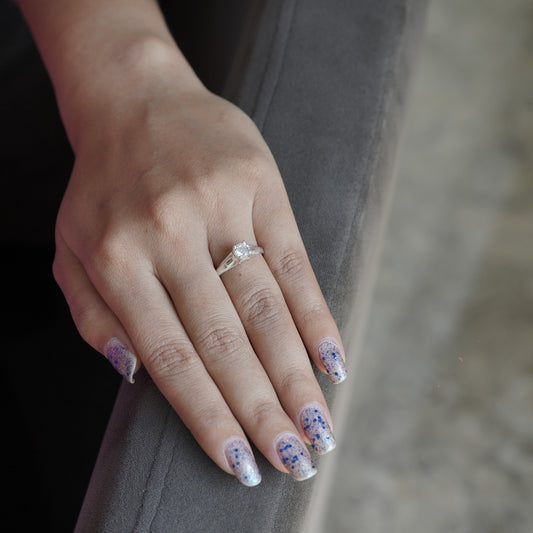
(325,81)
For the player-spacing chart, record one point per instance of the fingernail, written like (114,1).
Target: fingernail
(317,429)
(330,355)
(123,361)
(295,457)
(242,462)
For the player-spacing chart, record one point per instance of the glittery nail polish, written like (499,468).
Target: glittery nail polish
(330,355)
(317,429)
(295,457)
(121,358)
(242,462)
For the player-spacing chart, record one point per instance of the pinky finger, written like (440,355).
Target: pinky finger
(95,321)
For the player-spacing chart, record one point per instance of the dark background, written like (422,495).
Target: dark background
(59,391)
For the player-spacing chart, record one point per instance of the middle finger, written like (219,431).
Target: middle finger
(276,341)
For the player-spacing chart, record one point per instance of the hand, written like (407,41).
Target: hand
(167,178)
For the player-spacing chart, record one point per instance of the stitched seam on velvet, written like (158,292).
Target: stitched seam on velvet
(268,62)
(143,508)
(260,89)
(271,63)
(384,106)
(163,486)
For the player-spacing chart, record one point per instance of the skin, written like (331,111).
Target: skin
(167,177)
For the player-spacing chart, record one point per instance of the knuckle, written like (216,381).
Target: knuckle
(170,358)
(292,381)
(84,318)
(262,411)
(222,342)
(212,416)
(107,254)
(164,215)
(315,313)
(262,307)
(290,264)
(255,164)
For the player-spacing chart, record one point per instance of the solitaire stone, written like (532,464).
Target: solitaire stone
(241,250)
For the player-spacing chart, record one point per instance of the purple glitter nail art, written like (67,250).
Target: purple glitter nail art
(242,462)
(330,355)
(317,429)
(295,457)
(121,358)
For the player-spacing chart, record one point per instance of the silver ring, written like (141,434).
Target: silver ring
(241,252)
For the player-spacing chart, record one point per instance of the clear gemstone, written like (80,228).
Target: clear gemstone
(241,250)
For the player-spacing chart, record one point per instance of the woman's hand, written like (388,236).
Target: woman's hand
(167,178)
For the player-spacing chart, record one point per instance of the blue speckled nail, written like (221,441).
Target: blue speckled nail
(317,429)
(242,462)
(295,457)
(331,356)
(121,358)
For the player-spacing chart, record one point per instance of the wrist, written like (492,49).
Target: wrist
(102,54)
(129,78)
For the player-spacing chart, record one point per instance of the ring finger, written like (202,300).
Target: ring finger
(274,337)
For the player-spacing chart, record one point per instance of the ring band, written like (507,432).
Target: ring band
(241,252)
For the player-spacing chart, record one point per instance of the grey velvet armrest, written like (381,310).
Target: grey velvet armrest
(325,82)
